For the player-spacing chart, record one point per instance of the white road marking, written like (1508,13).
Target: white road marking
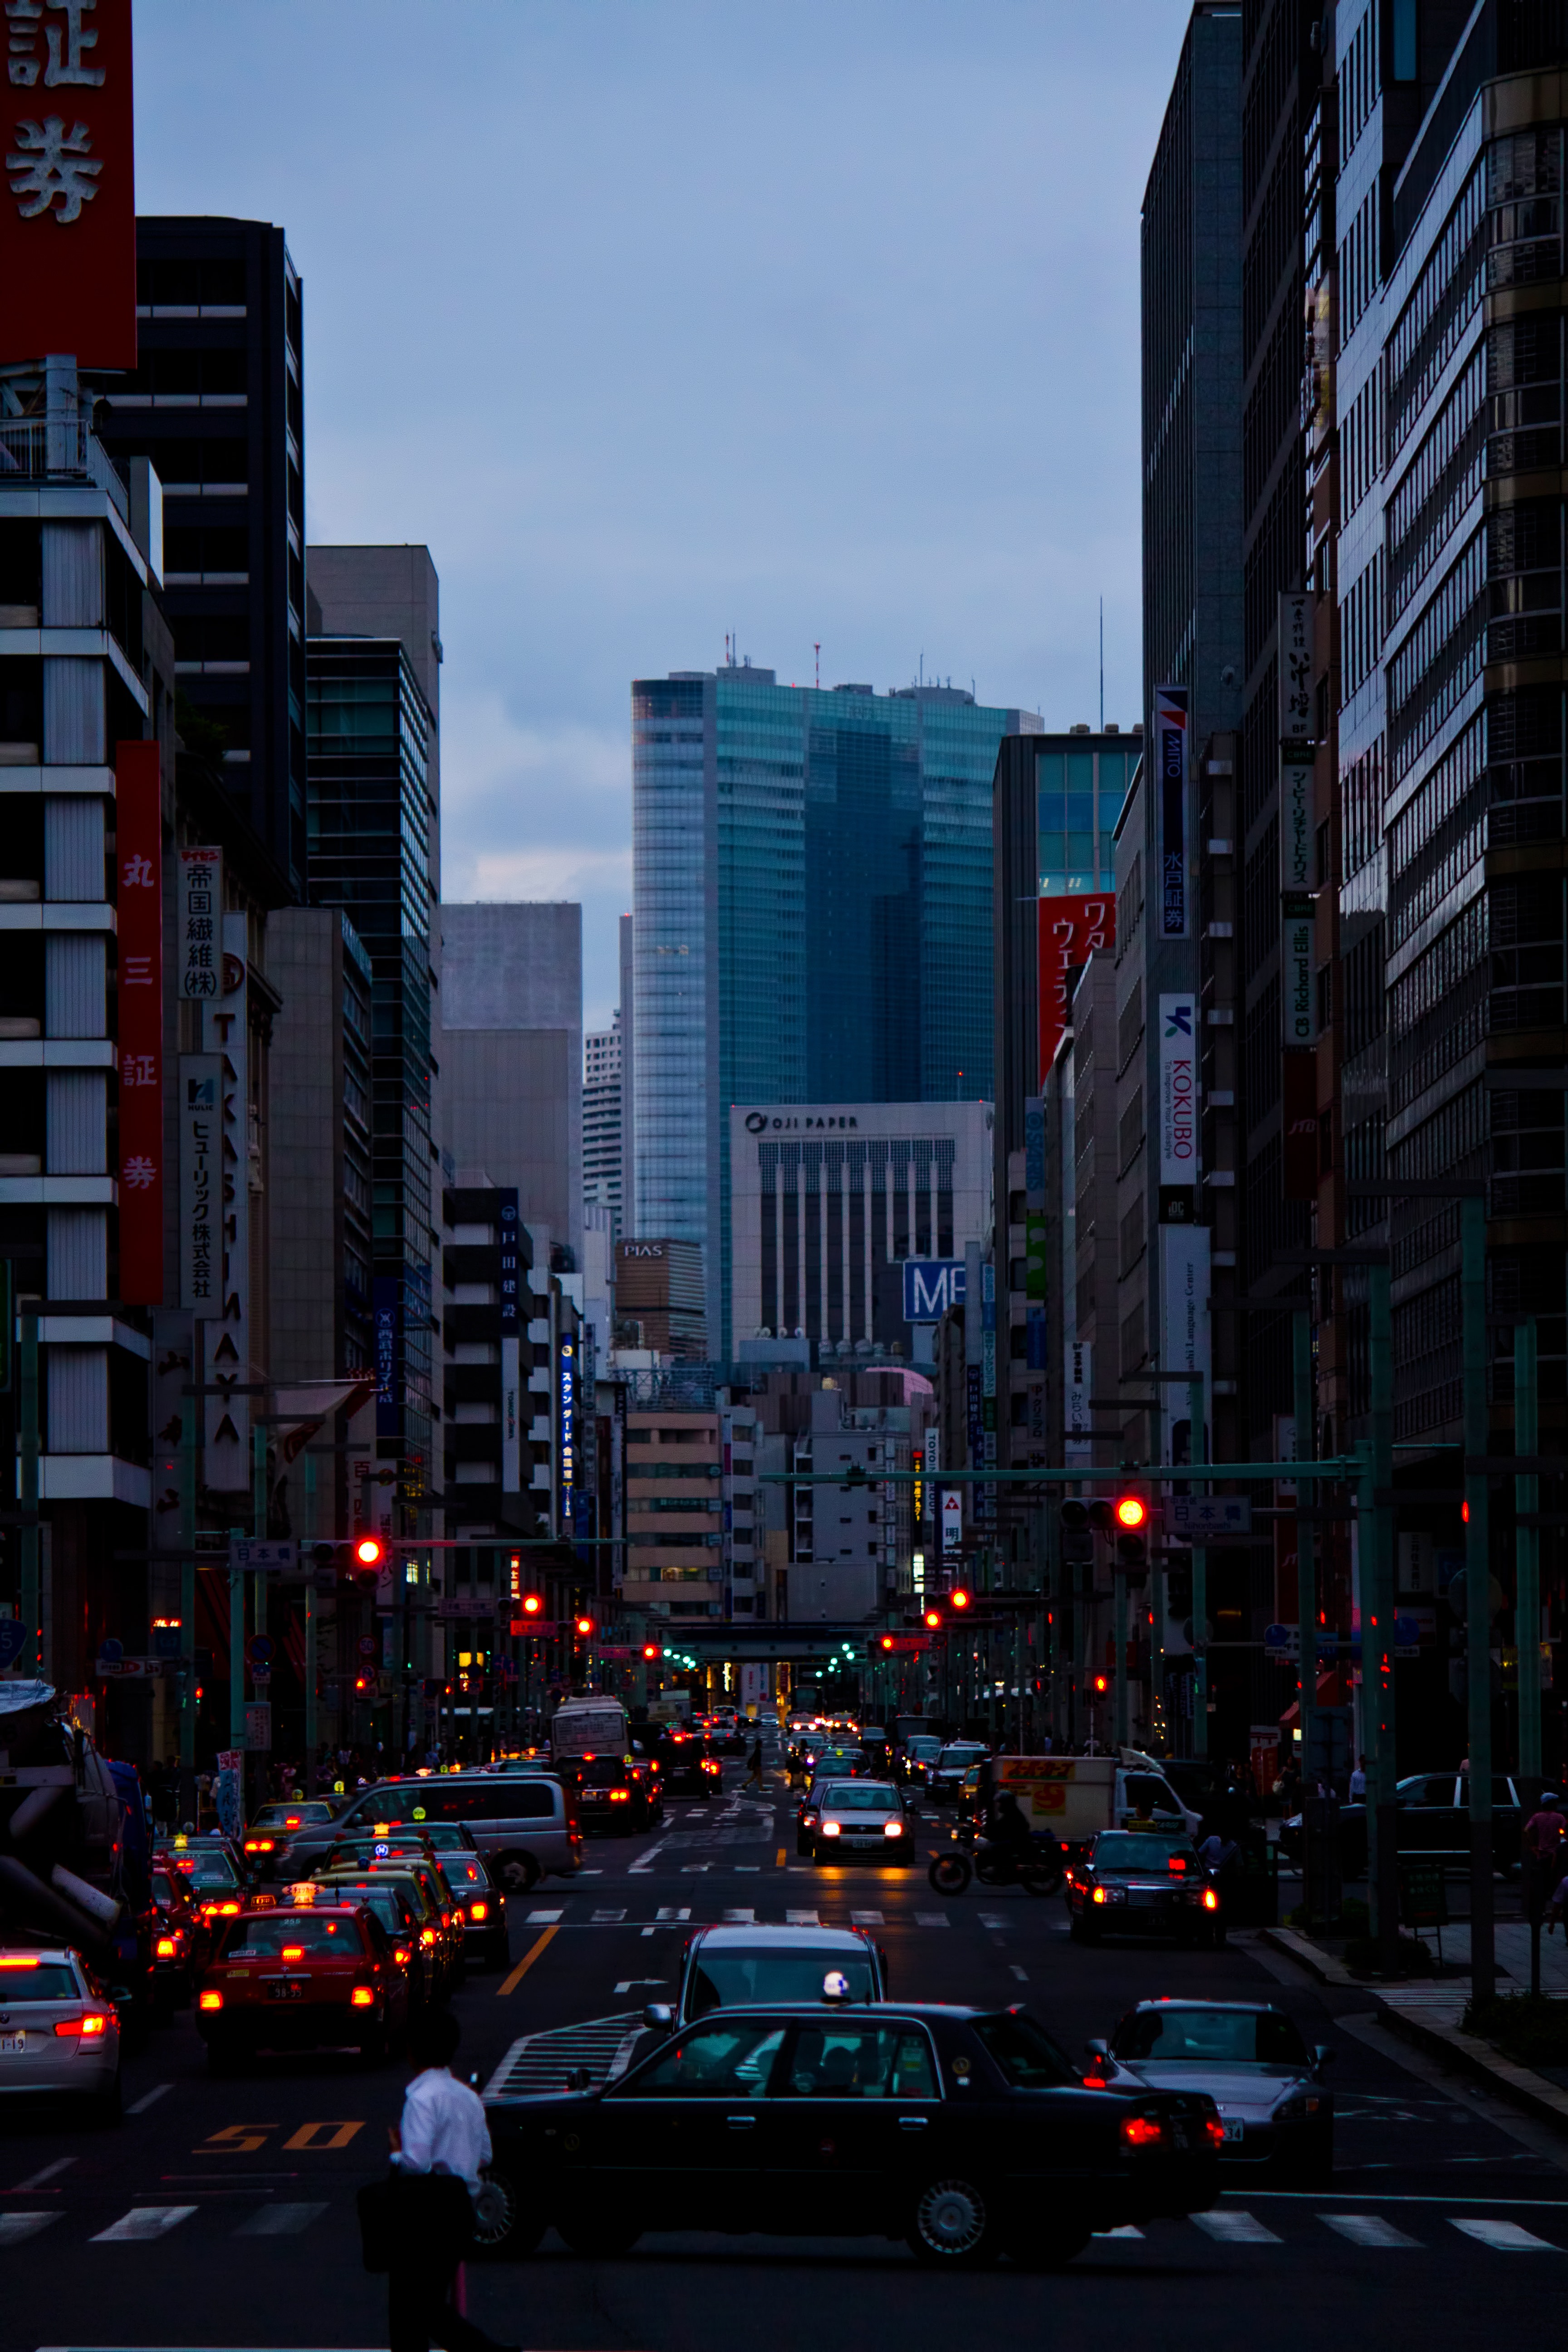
(645,1860)
(14,2227)
(49,2172)
(690,1869)
(1235,2230)
(742,1867)
(1367,2229)
(149,2099)
(1126,2231)
(742,1919)
(543,1918)
(1022,1974)
(672,1915)
(279,2221)
(1504,2237)
(932,1919)
(608,1918)
(866,1919)
(647,1931)
(143,2221)
(802,1919)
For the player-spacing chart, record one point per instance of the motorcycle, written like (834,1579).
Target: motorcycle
(1038,1872)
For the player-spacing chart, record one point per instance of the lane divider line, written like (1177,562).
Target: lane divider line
(511,1983)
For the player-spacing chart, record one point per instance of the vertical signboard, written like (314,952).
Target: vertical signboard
(1296,666)
(1171,729)
(383,1307)
(510,1344)
(1184,1326)
(1298,985)
(1178,1089)
(68,211)
(1078,1426)
(201,1184)
(1298,1130)
(226,1031)
(139,921)
(566,1395)
(199,942)
(1298,839)
(1070,930)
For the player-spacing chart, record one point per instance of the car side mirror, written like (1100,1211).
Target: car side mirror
(658,2017)
(1098,2049)
(1322,2055)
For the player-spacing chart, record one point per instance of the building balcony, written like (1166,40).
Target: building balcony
(58,448)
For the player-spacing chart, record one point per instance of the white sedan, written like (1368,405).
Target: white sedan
(59,2031)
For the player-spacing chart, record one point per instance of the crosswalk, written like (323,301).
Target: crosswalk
(1227,2227)
(586,1912)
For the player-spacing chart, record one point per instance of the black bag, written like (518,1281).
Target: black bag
(415,2221)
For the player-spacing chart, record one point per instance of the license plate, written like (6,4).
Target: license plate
(285,1991)
(12,2045)
(1235,2129)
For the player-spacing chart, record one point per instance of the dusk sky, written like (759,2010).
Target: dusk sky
(659,319)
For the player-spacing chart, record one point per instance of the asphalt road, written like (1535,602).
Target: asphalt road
(222,2213)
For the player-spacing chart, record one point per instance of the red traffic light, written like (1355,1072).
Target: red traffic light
(1102,1684)
(934,1617)
(363,1682)
(652,1650)
(887,1641)
(369,1551)
(532,1604)
(959,1598)
(1131,1512)
(582,1627)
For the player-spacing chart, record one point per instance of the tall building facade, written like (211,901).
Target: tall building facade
(217,402)
(602,1127)
(812,917)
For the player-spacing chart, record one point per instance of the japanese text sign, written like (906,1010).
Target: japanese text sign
(138,918)
(1070,929)
(68,209)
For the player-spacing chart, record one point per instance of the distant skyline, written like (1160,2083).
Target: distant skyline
(661,321)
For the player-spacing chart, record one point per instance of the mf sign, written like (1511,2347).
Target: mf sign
(931,1285)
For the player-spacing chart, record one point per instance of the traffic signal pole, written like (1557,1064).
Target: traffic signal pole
(1306,1578)
(1527,1614)
(1196,1450)
(1378,1632)
(1478,1592)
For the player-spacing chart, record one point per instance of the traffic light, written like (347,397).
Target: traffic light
(934,1619)
(369,1553)
(584,1628)
(887,1641)
(532,1604)
(958,1597)
(1131,1533)
(364,1683)
(652,1650)
(1124,1519)
(1102,1684)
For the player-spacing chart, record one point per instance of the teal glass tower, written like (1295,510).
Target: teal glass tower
(812,878)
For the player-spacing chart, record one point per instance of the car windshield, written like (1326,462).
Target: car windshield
(291,1817)
(205,1869)
(1024,2052)
(288,1936)
(1225,2037)
(603,1773)
(960,1758)
(25,1980)
(723,1979)
(163,1888)
(410,1889)
(1127,1850)
(922,1746)
(861,1797)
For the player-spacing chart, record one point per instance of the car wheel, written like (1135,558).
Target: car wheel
(507,2221)
(952,2226)
(1047,2248)
(519,1873)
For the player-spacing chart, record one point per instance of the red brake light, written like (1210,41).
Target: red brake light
(1178,1862)
(1143,2131)
(164,1947)
(209,2000)
(479,1910)
(1211,1900)
(293,1951)
(1214,2127)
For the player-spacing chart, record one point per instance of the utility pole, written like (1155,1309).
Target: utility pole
(1377,1635)
(31,1653)
(1306,1579)
(1477,1592)
(1526,1612)
(1196,1451)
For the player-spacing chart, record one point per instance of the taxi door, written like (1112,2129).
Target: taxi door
(851,2126)
(678,2141)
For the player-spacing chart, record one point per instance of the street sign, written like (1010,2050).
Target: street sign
(534,1625)
(1282,1644)
(110,1651)
(1200,1518)
(13,1640)
(258,1650)
(366,1645)
(898,1644)
(273,1559)
(258,1725)
(465,1605)
(166,1641)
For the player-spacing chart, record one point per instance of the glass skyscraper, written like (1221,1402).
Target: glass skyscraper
(812,905)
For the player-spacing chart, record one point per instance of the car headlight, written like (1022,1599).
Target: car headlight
(892,1828)
(830,1829)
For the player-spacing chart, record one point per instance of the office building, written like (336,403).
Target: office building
(658,1299)
(628,1079)
(601,1136)
(373,718)
(849,1221)
(216,402)
(511,1042)
(813,918)
(675,1514)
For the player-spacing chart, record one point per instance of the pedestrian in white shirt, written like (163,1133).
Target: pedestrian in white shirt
(443,2130)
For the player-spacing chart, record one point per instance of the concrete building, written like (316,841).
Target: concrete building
(813,899)
(603,1141)
(628,1082)
(511,991)
(675,1514)
(660,1298)
(830,1203)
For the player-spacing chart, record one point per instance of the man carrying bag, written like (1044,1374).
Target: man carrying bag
(418,2225)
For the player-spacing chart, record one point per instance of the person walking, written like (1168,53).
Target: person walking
(443,2131)
(753,1779)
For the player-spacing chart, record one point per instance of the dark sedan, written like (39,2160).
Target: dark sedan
(1248,2056)
(1432,1817)
(967,2134)
(1132,1883)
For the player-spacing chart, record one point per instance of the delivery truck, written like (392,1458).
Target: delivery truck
(1073,1798)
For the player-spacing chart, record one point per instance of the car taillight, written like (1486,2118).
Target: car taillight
(1211,1900)
(426,1935)
(620,1795)
(258,1845)
(164,1947)
(362,1997)
(1214,2127)
(209,2000)
(1099,1895)
(402,1954)
(479,1910)
(95,2023)
(1141,2131)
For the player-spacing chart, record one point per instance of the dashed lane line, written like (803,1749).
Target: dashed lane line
(143,2221)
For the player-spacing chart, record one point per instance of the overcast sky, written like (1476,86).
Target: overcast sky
(657,319)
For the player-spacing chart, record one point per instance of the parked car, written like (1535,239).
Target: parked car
(1432,1817)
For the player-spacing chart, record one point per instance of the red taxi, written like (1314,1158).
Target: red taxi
(302,1976)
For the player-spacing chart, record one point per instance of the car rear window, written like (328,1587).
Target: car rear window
(1028,2056)
(205,1869)
(725,1980)
(37,1980)
(360,1890)
(279,1934)
(1238,2037)
(1127,1850)
(290,1817)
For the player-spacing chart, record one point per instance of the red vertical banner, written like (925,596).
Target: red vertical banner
(1070,929)
(67,194)
(1299,1130)
(139,892)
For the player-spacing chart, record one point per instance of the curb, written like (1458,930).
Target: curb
(1478,2059)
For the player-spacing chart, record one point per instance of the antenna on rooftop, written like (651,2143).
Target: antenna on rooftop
(816,649)
(1103,665)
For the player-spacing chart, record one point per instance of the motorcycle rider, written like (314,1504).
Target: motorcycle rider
(1009,1829)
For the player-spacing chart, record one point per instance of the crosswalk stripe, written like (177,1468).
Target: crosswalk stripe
(279,2221)
(995,1919)
(1367,2229)
(143,2221)
(865,1918)
(694,1869)
(667,1913)
(14,2227)
(1126,2231)
(1235,2230)
(1504,2237)
(802,1919)
(543,1918)
(609,1918)
(742,1919)
(932,1919)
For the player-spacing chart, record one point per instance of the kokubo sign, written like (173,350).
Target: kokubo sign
(1178,1090)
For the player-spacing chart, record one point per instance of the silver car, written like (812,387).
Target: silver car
(1251,2060)
(524,1824)
(59,2035)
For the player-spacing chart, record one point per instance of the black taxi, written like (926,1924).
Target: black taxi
(1143,1883)
(966,2133)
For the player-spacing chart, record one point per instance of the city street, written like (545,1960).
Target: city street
(222,2213)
